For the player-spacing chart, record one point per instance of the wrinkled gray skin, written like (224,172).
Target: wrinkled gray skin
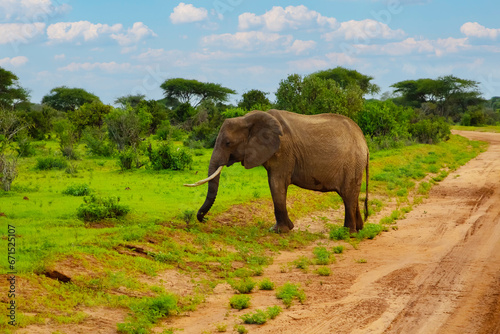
(325,152)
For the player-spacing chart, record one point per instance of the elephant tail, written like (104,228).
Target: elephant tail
(367,178)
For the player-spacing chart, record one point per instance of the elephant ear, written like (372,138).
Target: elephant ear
(263,138)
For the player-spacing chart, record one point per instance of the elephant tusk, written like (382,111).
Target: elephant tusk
(199,183)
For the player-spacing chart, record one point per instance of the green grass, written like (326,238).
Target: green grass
(161,232)
(487,128)
(260,317)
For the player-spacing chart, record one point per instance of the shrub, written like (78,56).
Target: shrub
(266,284)
(51,163)
(260,317)
(338,249)
(245,285)
(97,208)
(129,158)
(25,148)
(77,190)
(323,271)
(96,143)
(369,231)
(240,302)
(385,123)
(147,312)
(205,133)
(339,233)
(322,255)
(430,130)
(166,157)
(288,292)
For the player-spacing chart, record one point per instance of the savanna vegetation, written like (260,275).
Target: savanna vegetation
(95,191)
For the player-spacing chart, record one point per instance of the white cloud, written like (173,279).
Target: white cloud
(138,32)
(411,46)
(111,67)
(71,31)
(363,31)
(15,62)
(20,32)
(60,57)
(299,47)
(249,40)
(291,17)
(32,10)
(187,13)
(474,29)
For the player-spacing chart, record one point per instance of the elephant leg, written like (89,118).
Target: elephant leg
(359,219)
(352,213)
(278,192)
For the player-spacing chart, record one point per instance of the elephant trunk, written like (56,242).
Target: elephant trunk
(213,185)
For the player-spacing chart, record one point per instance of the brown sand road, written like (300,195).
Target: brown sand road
(438,273)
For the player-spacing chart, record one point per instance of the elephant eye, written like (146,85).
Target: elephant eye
(228,143)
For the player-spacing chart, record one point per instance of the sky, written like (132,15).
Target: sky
(121,47)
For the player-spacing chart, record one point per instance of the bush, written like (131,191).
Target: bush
(260,317)
(323,271)
(25,149)
(96,143)
(129,158)
(204,133)
(322,255)
(266,284)
(288,292)
(240,302)
(385,123)
(369,231)
(430,130)
(77,190)
(339,233)
(245,285)
(166,157)
(147,312)
(98,208)
(51,163)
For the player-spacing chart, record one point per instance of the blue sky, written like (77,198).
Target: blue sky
(115,48)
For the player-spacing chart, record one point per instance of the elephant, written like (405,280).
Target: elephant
(325,152)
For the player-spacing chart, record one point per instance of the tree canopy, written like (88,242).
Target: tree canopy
(450,94)
(254,99)
(68,99)
(313,95)
(11,93)
(345,77)
(194,92)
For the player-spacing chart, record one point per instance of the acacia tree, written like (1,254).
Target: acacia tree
(451,95)
(194,92)
(11,93)
(345,77)
(68,99)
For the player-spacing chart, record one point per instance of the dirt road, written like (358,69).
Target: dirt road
(438,273)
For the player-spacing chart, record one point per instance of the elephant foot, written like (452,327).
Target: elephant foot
(282,228)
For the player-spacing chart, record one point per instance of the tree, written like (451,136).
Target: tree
(194,92)
(11,94)
(346,77)
(89,114)
(130,100)
(313,95)
(68,99)
(451,95)
(254,99)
